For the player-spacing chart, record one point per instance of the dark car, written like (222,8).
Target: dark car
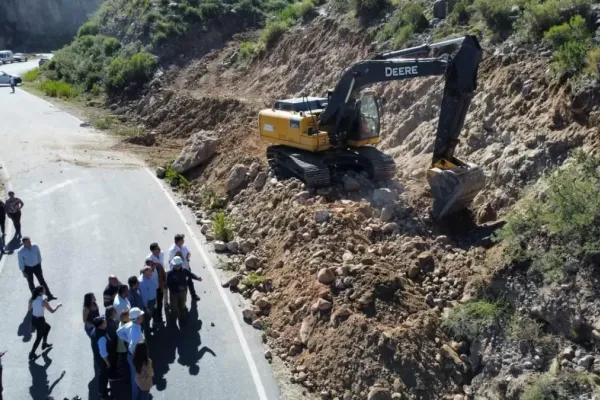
(43,61)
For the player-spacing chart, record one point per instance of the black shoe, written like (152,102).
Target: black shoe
(51,297)
(46,345)
(32,356)
(195,297)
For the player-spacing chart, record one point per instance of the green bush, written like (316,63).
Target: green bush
(563,385)
(571,55)
(272,32)
(123,72)
(247,51)
(521,327)
(461,13)
(89,28)
(574,30)
(222,226)
(539,17)
(31,75)
(408,19)
(475,318)
(103,123)
(58,89)
(592,66)
(175,179)
(559,228)
(253,279)
(368,8)
(496,13)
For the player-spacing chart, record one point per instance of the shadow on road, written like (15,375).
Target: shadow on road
(10,247)
(26,328)
(39,378)
(184,341)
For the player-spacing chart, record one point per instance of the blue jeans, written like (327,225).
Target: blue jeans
(134,387)
(143,395)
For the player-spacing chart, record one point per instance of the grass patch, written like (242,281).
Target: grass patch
(408,19)
(210,200)
(129,131)
(253,279)
(564,385)
(222,226)
(175,179)
(521,327)
(557,229)
(58,89)
(31,75)
(475,318)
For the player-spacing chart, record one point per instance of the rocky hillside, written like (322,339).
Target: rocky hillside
(354,286)
(42,26)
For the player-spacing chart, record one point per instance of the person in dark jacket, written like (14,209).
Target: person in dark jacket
(2,226)
(178,287)
(104,354)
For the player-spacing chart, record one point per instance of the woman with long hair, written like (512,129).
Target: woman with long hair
(143,370)
(38,304)
(90,311)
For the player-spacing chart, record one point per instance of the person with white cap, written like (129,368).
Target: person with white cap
(180,249)
(131,333)
(177,283)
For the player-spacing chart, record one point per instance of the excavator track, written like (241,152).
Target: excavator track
(306,166)
(382,167)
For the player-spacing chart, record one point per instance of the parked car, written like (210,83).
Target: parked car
(6,56)
(5,78)
(20,57)
(43,61)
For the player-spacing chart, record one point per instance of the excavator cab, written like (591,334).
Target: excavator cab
(365,119)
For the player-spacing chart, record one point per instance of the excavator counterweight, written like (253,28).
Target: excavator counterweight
(315,137)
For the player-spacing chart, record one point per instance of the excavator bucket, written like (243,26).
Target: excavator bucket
(453,189)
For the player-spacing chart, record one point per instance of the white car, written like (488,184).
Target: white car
(5,78)
(20,57)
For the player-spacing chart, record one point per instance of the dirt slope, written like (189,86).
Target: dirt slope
(351,283)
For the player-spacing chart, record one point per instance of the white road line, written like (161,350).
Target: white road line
(236,324)
(53,189)
(8,187)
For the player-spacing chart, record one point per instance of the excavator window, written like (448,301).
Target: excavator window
(369,116)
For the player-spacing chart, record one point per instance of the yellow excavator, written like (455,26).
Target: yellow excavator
(317,138)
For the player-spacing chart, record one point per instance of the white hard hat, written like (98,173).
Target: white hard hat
(177,260)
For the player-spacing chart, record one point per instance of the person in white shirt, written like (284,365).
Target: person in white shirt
(131,334)
(180,249)
(155,260)
(37,306)
(121,302)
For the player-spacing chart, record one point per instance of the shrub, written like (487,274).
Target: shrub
(539,17)
(123,72)
(368,8)
(593,62)
(253,279)
(571,55)
(297,11)
(574,30)
(58,89)
(175,179)
(564,385)
(272,32)
(89,28)
(472,319)
(496,13)
(247,51)
(31,75)
(222,226)
(407,20)
(558,228)
(460,14)
(521,327)
(103,123)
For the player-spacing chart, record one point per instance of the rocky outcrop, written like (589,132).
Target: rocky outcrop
(41,26)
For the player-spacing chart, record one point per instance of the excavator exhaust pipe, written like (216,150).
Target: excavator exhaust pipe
(455,188)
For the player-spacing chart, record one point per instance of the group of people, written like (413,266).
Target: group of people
(132,311)
(118,336)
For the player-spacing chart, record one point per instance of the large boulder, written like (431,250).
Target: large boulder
(198,149)
(236,177)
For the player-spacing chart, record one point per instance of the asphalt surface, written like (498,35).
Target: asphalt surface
(94,212)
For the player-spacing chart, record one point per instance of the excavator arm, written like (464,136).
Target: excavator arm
(454,183)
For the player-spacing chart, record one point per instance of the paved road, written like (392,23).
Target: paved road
(93,213)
